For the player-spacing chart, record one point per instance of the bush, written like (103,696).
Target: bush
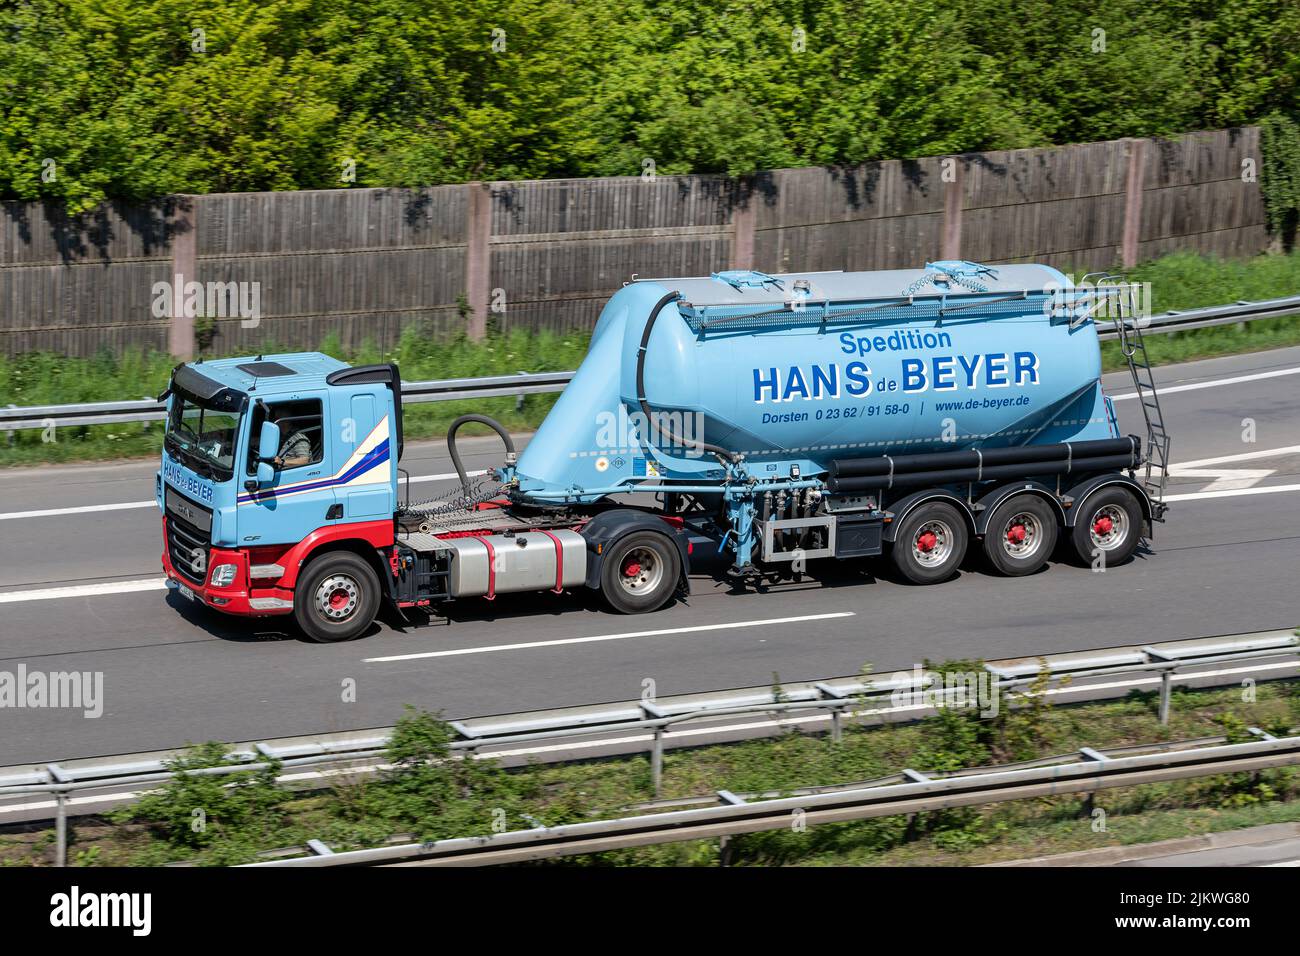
(435,792)
(202,811)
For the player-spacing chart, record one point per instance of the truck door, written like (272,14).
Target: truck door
(365,452)
(301,497)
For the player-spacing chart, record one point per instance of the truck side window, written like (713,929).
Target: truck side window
(302,431)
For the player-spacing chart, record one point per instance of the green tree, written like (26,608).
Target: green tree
(133,99)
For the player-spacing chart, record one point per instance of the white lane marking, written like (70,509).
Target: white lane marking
(491,648)
(86,509)
(1267,490)
(84,590)
(50,512)
(1226,479)
(307,775)
(446,477)
(1194,386)
(1283,863)
(1247,456)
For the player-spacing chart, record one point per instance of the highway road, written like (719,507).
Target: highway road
(1271,845)
(80,590)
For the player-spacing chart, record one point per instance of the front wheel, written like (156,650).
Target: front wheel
(640,572)
(337,597)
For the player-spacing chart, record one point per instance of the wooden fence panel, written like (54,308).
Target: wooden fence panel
(365,264)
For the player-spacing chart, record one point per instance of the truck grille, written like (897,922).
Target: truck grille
(188,542)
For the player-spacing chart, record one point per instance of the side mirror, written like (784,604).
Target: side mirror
(268,441)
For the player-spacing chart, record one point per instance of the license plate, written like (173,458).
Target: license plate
(186,592)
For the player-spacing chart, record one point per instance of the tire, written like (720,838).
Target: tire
(930,543)
(337,597)
(640,572)
(1110,522)
(1020,536)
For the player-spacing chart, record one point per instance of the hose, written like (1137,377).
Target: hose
(491,423)
(664,433)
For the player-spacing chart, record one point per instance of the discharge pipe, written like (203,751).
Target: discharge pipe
(664,433)
(491,423)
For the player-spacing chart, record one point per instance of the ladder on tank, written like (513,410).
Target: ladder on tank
(1120,299)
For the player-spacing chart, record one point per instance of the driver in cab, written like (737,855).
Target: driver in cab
(295,445)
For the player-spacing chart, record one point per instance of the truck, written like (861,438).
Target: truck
(747,423)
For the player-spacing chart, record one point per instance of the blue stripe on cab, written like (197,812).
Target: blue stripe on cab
(372,459)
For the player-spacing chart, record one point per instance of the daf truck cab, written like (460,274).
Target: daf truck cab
(279,479)
(279,496)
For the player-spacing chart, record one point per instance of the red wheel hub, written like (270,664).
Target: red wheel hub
(631,569)
(1016,534)
(926,542)
(339,599)
(1103,525)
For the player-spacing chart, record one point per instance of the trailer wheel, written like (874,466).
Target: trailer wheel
(640,572)
(1021,535)
(337,597)
(1109,527)
(930,543)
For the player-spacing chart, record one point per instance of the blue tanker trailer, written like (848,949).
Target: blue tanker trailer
(759,421)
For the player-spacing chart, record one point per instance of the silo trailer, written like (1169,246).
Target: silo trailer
(749,423)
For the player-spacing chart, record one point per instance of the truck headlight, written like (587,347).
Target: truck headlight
(223,575)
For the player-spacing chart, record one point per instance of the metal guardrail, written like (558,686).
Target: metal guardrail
(653,722)
(1185,320)
(16,418)
(1165,660)
(1089,772)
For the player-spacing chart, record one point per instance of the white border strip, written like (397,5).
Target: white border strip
(1163,390)
(84,590)
(492,648)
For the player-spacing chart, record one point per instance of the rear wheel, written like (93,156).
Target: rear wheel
(337,597)
(1020,536)
(640,572)
(1109,526)
(930,543)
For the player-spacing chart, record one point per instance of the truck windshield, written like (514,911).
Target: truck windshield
(203,438)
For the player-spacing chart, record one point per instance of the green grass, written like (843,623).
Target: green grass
(1184,280)
(46,379)
(1220,340)
(428,801)
(1187,281)
(1181,280)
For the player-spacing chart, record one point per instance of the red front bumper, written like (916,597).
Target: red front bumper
(239,597)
